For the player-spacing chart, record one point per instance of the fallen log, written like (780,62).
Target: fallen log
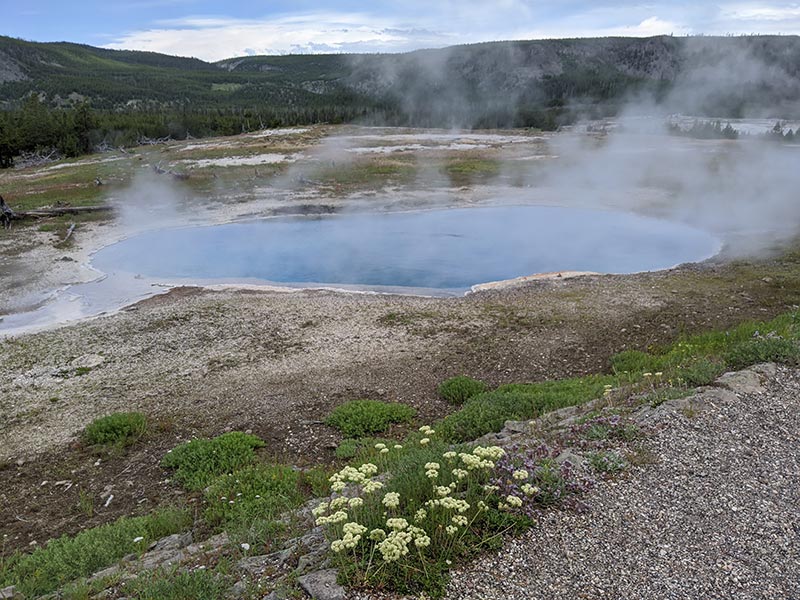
(62,210)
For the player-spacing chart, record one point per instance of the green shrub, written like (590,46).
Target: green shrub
(67,558)
(359,418)
(635,362)
(458,390)
(198,462)
(489,411)
(119,429)
(763,350)
(606,462)
(256,491)
(316,481)
(701,372)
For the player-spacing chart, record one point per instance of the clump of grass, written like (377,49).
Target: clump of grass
(762,350)
(489,411)
(67,558)
(198,462)
(256,491)
(702,371)
(118,429)
(201,584)
(664,394)
(359,418)
(461,388)
(699,359)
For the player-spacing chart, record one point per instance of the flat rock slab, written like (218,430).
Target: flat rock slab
(744,382)
(321,585)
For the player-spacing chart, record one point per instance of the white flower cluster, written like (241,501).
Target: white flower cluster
(382,448)
(359,476)
(530,490)
(432,470)
(450,503)
(511,502)
(444,490)
(336,517)
(489,452)
(520,474)
(420,515)
(371,486)
(395,545)
(340,502)
(481,457)
(460,473)
(459,520)
(427,430)
(396,523)
(351,537)
(391,500)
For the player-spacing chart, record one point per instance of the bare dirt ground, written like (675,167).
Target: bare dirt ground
(201,362)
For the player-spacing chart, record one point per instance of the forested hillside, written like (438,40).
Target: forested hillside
(74,97)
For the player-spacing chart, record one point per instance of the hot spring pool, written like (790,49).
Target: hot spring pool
(439,249)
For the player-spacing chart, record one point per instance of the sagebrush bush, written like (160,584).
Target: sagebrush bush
(118,429)
(359,418)
(198,462)
(762,350)
(461,388)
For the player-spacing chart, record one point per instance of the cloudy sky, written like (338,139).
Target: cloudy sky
(217,30)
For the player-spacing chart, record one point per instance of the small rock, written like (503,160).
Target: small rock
(257,565)
(321,585)
(110,571)
(160,558)
(239,588)
(313,560)
(176,541)
(10,593)
(88,361)
(576,460)
(511,427)
(211,544)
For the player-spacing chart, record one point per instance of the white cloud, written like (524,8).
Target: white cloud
(219,38)
(447,22)
(762,13)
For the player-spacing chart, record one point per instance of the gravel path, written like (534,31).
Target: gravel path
(718,516)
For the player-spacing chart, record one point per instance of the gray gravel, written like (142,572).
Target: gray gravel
(718,516)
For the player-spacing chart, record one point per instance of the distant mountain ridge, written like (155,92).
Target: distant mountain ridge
(487,83)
